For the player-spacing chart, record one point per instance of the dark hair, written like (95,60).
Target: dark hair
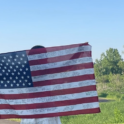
(37,46)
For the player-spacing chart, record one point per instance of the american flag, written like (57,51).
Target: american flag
(48,82)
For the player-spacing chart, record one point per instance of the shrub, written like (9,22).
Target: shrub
(103,94)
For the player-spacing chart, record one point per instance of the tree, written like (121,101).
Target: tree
(121,65)
(108,63)
(97,68)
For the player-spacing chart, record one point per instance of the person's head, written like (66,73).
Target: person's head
(37,47)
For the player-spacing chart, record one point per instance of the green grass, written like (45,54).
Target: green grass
(111,112)
(112,95)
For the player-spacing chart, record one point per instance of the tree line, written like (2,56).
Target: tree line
(110,67)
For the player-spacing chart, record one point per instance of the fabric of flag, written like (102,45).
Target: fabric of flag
(48,82)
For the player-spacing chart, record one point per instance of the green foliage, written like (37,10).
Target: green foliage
(114,95)
(122,97)
(103,94)
(111,113)
(98,68)
(116,82)
(121,65)
(103,79)
(108,63)
(114,89)
(118,116)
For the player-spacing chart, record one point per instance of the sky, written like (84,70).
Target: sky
(25,23)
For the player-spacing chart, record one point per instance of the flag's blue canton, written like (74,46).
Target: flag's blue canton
(15,70)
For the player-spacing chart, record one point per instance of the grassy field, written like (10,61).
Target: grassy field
(111,112)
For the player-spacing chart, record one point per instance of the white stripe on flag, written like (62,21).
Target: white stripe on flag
(48,88)
(59,53)
(62,75)
(61,64)
(49,98)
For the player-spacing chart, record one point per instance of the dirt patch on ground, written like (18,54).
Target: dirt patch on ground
(3,121)
(105,100)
